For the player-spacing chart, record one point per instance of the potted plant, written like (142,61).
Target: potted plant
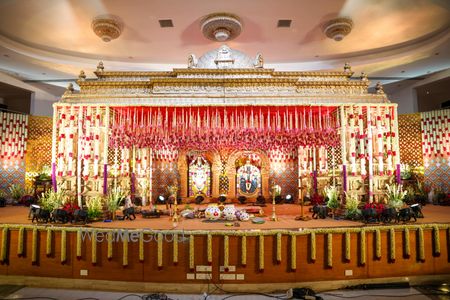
(2,198)
(395,195)
(352,211)
(94,208)
(331,193)
(115,196)
(16,191)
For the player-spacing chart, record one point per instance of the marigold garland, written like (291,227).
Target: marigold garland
(48,245)
(175,248)
(191,252)
(125,250)
(4,244)
(20,240)
(141,246)
(377,244)
(362,247)
(94,247)
(226,252)
(329,250)
(313,246)
(392,244)
(261,252)
(209,248)
(437,241)
(421,245)
(160,250)
(279,247)
(244,250)
(293,252)
(407,249)
(109,238)
(347,246)
(79,243)
(34,246)
(63,246)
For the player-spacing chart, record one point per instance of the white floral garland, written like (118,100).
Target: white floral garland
(191,252)
(278,247)
(4,250)
(261,252)
(347,246)
(48,245)
(34,246)
(363,252)
(407,246)
(175,249)
(63,246)
(421,245)
(20,239)
(329,250)
(392,244)
(125,250)
(244,250)
(437,241)
(226,252)
(313,246)
(293,252)
(94,248)
(377,244)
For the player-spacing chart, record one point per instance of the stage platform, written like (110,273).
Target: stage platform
(286,214)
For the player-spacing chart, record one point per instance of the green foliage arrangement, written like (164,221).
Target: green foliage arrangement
(95,207)
(51,200)
(115,196)
(395,195)
(331,193)
(351,206)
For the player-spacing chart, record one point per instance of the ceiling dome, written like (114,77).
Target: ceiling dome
(225,58)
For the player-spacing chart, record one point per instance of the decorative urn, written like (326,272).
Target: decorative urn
(212,212)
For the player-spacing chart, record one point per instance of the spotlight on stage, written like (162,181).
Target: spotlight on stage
(289,199)
(161,198)
(199,199)
(260,199)
(417,210)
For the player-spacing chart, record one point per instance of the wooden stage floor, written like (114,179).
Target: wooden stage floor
(285,212)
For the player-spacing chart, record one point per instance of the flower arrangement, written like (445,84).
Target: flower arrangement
(94,207)
(395,195)
(331,193)
(115,196)
(351,205)
(51,200)
(405,171)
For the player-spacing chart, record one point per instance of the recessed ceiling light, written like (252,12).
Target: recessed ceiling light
(437,53)
(284,23)
(44,73)
(428,72)
(403,71)
(428,92)
(165,23)
(130,57)
(316,55)
(6,55)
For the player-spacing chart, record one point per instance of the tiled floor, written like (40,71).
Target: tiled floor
(62,294)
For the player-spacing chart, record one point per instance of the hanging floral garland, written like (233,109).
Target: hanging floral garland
(141,246)
(347,246)
(293,252)
(437,241)
(278,247)
(125,250)
(20,239)
(48,245)
(4,250)
(63,246)
(34,249)
(79,244)
(244,250)
(392,244)
(362,247)
(175,249)
(329,250)
(191,253)
(377,244)
(109,238)
(261,252)
(94,248)
(160,251)
(209,249)
(407,249)
(226,252)
(421,245)
(313,246)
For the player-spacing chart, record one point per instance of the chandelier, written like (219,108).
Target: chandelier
(107,27)
(221,27)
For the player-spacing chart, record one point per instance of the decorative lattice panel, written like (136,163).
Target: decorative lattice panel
(410,139)
(164,174)
(285,174)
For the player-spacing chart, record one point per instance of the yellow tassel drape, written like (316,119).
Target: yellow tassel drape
(226,251)
(279,247)
(175,248)
(377,244)
(293,252)
(392,244)
(244,250)
(421,245)
(313,246)
(191,252)
(407,244)
(209,248)
(329,250)
(362,247)
(125,250)
(4,250)
(48,244)
(63,246)
(34,246)
(261,252)
(94,248)
(20,241)
(347,246)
